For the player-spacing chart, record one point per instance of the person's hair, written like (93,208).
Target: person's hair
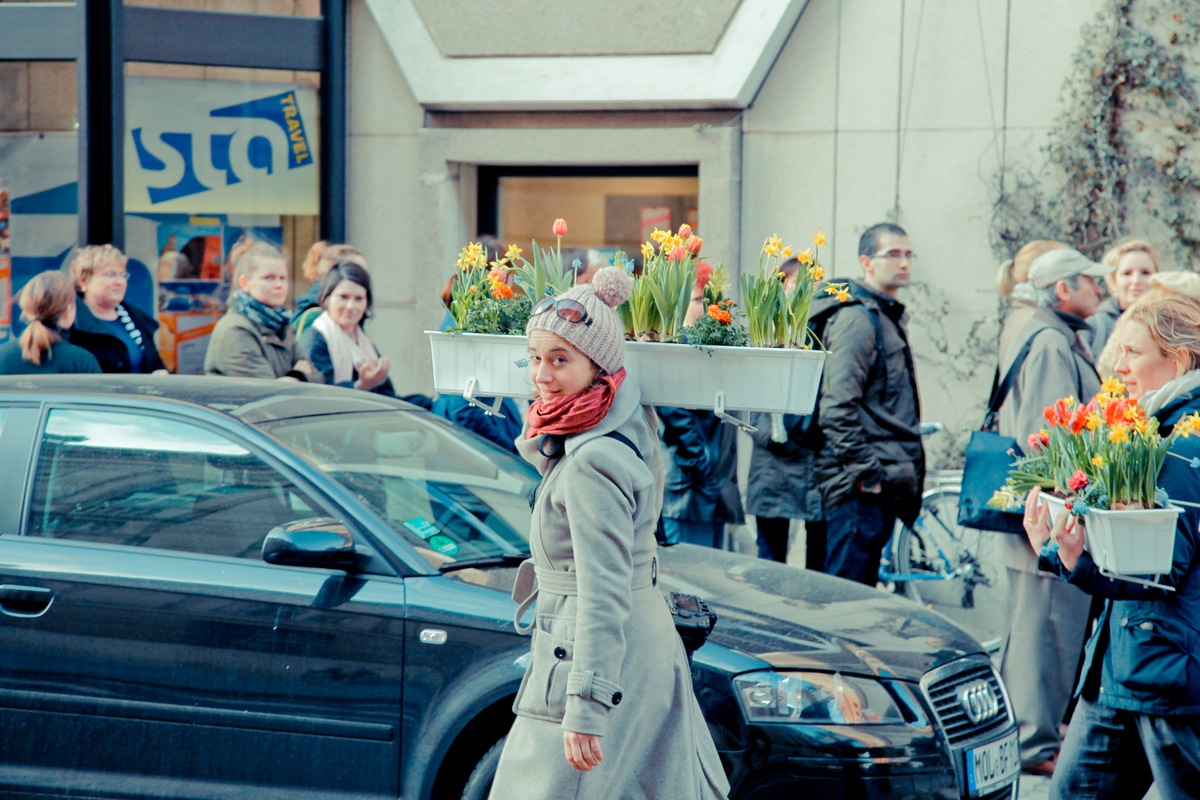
(252,256)
(1048,297)
(45,298)
(337,254)
(1174,325)
(870,238)
(93,258)
(1016,269)
(309,268)
(346,271)
(448,289)
(1126,246)
(1181,281)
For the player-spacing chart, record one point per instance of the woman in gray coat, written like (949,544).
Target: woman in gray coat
(606,708)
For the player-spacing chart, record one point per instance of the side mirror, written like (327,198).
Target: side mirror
(319,542)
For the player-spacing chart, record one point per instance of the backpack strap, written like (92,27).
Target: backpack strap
(625,440)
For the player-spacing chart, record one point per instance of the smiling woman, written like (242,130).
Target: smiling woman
(336,343)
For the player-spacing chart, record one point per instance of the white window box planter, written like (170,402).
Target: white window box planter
(740,378)
(1129,541)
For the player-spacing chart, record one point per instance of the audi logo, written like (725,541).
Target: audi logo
(979,701)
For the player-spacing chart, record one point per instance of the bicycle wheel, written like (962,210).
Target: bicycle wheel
(954,569)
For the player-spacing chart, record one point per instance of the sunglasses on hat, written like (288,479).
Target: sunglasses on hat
(565,308)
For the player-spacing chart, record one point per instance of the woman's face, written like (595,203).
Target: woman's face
(347,304)
(557,368)
(267,282)
(1141,365)
(105,288)
(1132,276)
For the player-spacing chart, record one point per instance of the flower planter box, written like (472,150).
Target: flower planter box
(1127,542)
(750,378)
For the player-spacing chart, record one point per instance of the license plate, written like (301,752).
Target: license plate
(992,765)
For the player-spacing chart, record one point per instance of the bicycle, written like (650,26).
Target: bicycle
(946,567)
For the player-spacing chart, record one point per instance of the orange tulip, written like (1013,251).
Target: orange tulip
(560,227)
(693,244)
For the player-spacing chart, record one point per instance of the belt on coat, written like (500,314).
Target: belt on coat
(564,584)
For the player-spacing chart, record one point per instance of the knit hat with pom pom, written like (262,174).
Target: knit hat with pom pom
(600,337)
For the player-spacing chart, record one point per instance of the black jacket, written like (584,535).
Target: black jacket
(63,358)
(94,336)
(869,410)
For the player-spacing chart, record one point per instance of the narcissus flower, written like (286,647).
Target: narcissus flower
(819,239)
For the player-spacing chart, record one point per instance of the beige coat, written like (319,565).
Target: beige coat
(606,659)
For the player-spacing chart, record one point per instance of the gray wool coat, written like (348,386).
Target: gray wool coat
(606,659)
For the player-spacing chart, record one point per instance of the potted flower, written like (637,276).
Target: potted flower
(1100,461)
(779,372)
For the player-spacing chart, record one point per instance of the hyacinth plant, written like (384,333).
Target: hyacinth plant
(482,299)
(777,310)
(1105,454)
(657,307)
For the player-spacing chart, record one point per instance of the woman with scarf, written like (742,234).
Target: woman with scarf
(336,344)
(606,708)
(47,309)
(1137,720)
(117,333)
(254,339)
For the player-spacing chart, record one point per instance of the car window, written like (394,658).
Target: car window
(147,481)
(452,495)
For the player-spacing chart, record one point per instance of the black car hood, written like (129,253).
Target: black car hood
(771,615)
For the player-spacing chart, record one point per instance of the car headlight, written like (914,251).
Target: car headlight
(817,698)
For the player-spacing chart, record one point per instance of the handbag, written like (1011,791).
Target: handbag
(988,459)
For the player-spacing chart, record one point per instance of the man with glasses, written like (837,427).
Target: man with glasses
(872,465)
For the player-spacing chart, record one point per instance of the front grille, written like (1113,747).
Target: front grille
(1007,793)
(942,687)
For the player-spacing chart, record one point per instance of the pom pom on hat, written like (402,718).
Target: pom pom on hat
(612,285)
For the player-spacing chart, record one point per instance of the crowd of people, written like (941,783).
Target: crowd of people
(1115,659)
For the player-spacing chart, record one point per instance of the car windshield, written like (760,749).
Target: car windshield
(454,496)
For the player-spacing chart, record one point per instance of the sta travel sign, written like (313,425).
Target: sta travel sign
(220,147)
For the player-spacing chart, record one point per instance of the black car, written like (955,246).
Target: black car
(215,588)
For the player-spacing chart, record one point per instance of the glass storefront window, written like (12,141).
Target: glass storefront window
(39,157)
(214,157)
(604,214)
(299,8)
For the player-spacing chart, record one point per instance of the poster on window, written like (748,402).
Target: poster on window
(6,302)
(223,147)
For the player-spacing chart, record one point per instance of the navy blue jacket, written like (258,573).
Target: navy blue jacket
(1142,655)
(503,432)
(312,342)
(700,454)
(63,358)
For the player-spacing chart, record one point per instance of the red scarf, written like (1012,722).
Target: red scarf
(575,413)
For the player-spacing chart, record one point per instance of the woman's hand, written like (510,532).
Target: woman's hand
(303,366)
(372,374)
(1037,520)
(1069,533)
(583,750)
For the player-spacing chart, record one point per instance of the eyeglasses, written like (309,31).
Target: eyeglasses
(114,276)
(570,310)
(897,255)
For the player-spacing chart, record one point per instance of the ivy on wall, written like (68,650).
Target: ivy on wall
(1122,155)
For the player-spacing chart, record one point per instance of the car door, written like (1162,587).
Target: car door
(145,647)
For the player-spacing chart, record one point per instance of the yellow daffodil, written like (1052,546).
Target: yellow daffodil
(787,252)
(819,239)
(831,289)
(773,246)
(1119,434)
(816,273)
(1189,425)
(1098,461)
(1093,420)
(843,295)
(1112,386)
(512,252)
(657,235)
(647,251)
(805,257)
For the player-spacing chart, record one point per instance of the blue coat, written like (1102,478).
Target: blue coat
(700,453)
(1144,655)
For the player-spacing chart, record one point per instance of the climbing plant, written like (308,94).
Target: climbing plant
(1123,152)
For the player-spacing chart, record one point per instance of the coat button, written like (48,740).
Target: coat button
(1124,621)
(560,653)
(616,698)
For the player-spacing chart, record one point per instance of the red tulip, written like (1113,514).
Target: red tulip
(678,253)
(560,227)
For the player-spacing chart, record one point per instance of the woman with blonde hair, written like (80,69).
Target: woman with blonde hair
(1162,285)
(1012,281)
(48,310)
(1134,263)
(1137,721)
(118,334)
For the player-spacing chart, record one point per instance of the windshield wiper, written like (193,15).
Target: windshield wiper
(503,560)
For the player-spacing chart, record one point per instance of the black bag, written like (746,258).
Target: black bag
(989,457)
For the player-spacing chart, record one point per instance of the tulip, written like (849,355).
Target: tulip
(693,244)
(678,253)
(685,231)
(560,227)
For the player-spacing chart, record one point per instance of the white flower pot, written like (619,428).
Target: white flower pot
(1137,541)
(751,378)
